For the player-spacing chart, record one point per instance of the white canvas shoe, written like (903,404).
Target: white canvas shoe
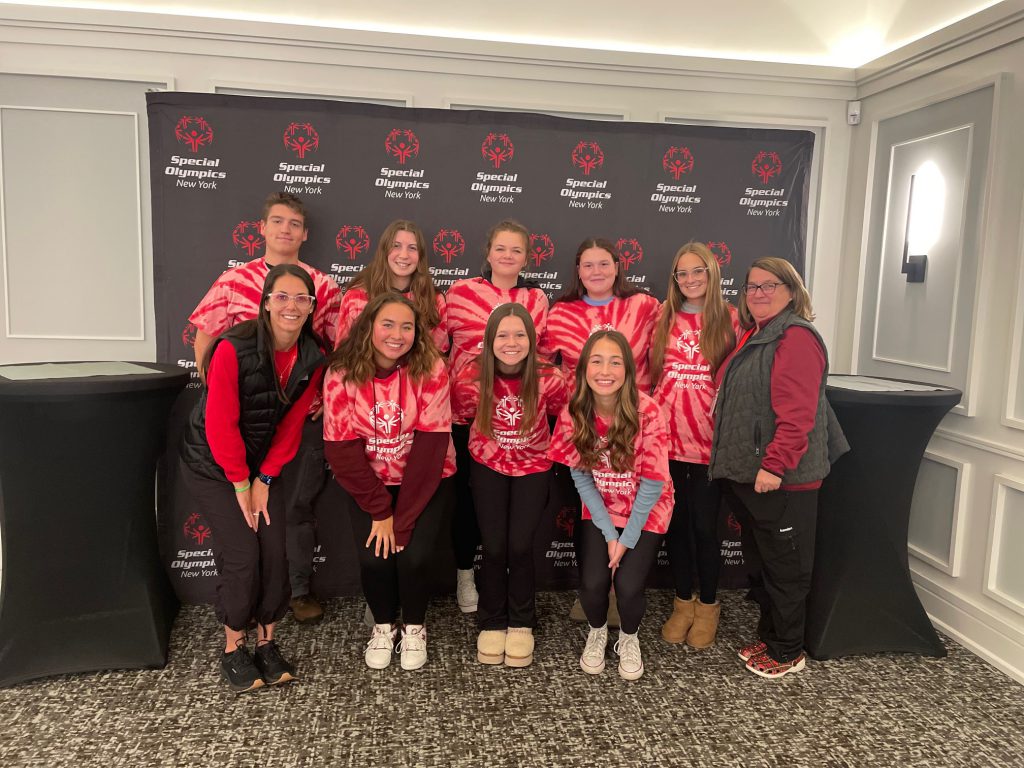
(413,646)
(592,660)
(465,590)
(631,664)
(381,646)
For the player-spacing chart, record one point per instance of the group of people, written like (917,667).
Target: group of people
(447,415)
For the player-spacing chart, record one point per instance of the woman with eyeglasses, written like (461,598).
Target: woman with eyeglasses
(261,378)
(775,437)
(695,332)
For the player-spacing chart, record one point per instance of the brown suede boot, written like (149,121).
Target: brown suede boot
(678,625)
(705,624)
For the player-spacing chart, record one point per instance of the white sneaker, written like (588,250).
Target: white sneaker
(592,660)
(631,665)
(381,645)
(465,590)
(413,646)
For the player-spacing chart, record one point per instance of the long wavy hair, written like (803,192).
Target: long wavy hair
(529,371)
(355,355)
(626,421)
(376,277)
(785,273)
(576,290)
(261,326)
(717,337)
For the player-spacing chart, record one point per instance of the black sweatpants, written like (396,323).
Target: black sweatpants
(465,528)
(508,510)
(693,533)
(402,580)
(630,577)
(252,568)
(300,483)
(782,525)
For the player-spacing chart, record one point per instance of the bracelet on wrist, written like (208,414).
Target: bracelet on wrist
(244,488)
(265,479)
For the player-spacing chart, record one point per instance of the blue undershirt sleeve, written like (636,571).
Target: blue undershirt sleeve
(647,496)
(591,497)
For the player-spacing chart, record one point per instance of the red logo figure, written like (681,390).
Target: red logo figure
(497,148)
(630,251)
(721,253)
(449,243)
(188,336)
(248,237)
(196,529)
(402,144)
(587,155)
(766,165)
(677,161)
(542,248)
(194,132)
(566,520)
(301,138)
(351,240)
(734,524)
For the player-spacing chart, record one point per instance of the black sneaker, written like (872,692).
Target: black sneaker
(239,671)
(272,666)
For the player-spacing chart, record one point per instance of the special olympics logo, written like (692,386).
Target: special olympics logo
(387,417)
(497,148)
(734,524)
(677,161)
(688,344)
(542,248)
(566,520)
(352,240)
(450,244)
(194,132)
(630,251)
(402,144)
(766,165)
(188,336)
(196,529)
(602,327)
(247,236)
(587,156)
(721,253)
(510,409)
(301,138)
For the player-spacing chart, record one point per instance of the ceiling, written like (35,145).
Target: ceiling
(847,34)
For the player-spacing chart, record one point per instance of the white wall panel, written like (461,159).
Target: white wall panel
(935,533)
(1004,574)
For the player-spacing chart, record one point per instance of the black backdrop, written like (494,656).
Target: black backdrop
(647,187)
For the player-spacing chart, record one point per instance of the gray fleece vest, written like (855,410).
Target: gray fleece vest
(745,421)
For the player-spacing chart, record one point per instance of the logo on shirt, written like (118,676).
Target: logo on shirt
(677,161)
(602,327)
(248,237)
(450,244)
(721,252)
(402,144)
(510,409)
(301,138)
(387,418)
(542,248)
(497,148)
(352,240)
(587,156)
(630,252)
(688,343)
(194,132)
(766,165)
(196,529)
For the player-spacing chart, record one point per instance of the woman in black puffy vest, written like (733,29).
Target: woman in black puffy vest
(261,378)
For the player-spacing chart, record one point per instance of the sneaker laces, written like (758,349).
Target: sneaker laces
(628,649)
(597,640)
(382,638)
(413,639)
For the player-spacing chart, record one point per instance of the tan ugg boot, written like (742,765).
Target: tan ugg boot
(490,646)
(705,624)
(674,630)
(519,647)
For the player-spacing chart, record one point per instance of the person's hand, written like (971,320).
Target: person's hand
(616,549)
(244,499)
(766,482)
(317,413)
(384,532)
(260,493)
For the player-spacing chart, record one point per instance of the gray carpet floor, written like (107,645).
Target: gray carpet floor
(690,708)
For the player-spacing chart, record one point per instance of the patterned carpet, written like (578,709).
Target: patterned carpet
(690,708)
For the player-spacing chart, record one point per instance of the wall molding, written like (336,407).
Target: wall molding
(1013,411)
(982,444)
(952,564)
(1001,485)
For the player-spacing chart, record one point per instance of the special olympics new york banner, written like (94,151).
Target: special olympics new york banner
(648,188)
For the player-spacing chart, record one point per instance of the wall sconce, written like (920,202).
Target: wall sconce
(924,221)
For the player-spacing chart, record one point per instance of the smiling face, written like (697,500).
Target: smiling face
(284,231)
(507,256)
(597,271)
(761,305)
(287,319)
(403,258)
(394,333)
(606,369)
(511,344)
(691,275)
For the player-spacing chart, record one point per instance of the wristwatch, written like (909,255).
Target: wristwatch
(265,479)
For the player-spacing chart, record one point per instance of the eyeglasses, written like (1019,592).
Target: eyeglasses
(766,288)
(281,299)
(697,273)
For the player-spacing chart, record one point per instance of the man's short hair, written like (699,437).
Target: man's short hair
(290,201)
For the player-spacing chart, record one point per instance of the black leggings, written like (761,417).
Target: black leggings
(630,577)
(509,510)
(402,580)
(693,532)
(465,529)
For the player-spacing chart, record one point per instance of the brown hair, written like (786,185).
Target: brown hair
(786,274)
(289,201)
(575,290)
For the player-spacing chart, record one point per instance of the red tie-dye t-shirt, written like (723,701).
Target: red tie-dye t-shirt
(509,452)
(686,391)
(354,302)
(385,413)
(618,489)
(570,324)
